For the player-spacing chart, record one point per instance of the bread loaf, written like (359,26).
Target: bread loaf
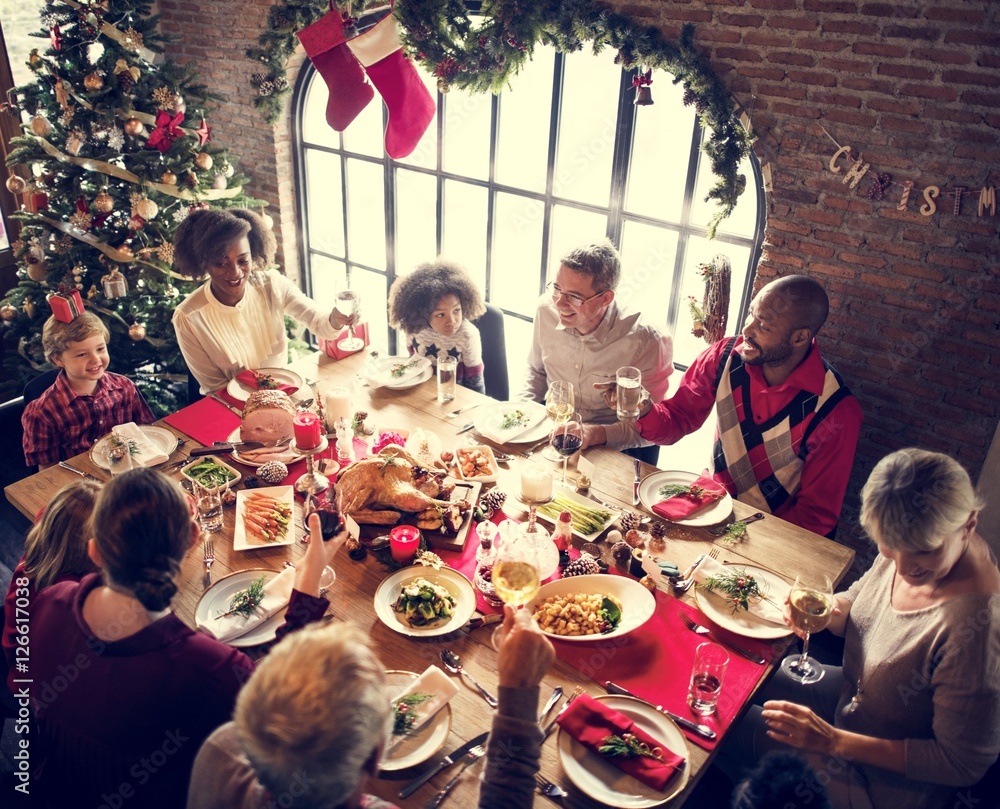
(267,417)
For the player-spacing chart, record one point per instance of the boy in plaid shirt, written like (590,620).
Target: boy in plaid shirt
(85,401)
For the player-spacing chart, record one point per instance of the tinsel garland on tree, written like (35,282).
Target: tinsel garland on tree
(484,54)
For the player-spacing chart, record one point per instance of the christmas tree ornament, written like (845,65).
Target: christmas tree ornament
(41,126)
(103,202)
(168,129)
(641,82)
(325,45)
(29,307)
(133,127)
(16,184)
(137,331)
(55,38)
(164,98)
(179,104)
(228,170)
(168,178)
(136,222)
(7,312)
(165,252)
(146,209)
(62,94)
(204,133)
(81,220)
(411,108)
(219,182)
(93,292)
(93,82)
(203,161)
(126,252)
(114,284)
(169,291)
(127,75)
(190,180)
(34,59)
(132,39)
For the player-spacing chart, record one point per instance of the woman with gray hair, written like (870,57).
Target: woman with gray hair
(914,712)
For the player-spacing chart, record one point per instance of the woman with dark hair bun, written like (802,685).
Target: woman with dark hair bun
(236,320)
(122,691)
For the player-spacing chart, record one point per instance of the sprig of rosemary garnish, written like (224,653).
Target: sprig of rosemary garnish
(401,368)
(246,602)
(628,746)
(515,418)
(677,489)
(738,585)
(403,715)
(734,532)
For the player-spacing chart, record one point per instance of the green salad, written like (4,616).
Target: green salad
(210,474)
(422,602)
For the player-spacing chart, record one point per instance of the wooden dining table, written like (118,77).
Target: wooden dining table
(771,543)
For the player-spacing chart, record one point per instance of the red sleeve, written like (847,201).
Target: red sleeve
(691,404)
(302,609)
(827,469)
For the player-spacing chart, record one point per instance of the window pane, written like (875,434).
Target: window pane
(315,129)
(371,288)
(366,213)
(660,149)
(743,219)
(328,276)
(326,202)
(425,155)
(648,255)
(572,227)
(416,201)
(464,238)
(517,254)
(517,338)
(522,149)
(586,141)
(364,135)
(467,133)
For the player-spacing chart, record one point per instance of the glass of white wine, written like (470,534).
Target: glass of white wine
(515,578)
(349,304)
(559,405)
(810,604)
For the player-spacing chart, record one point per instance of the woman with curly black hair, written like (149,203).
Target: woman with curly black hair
(433,306)
(236,320)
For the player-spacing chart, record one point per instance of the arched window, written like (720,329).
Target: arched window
(506,184)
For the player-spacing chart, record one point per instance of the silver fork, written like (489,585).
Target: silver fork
(209,548)
(573,695)
(471,758)
(714,552)
(721,530)
(553,792)
(698,629)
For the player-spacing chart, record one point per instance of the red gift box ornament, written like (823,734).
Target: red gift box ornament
(66,305)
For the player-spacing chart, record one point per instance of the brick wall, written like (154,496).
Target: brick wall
(915,323)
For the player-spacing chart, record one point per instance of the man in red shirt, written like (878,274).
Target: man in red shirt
(787,424)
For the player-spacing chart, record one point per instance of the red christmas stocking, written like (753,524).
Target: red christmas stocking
(349,92)
(411,108)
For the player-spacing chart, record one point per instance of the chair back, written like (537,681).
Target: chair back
(491,331)
(41,383)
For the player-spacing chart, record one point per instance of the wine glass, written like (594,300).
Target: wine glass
(515,577)
(349,304)
(810,606)
(567,438)
(559,403)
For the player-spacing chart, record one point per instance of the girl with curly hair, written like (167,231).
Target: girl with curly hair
(236,320)
(433,306)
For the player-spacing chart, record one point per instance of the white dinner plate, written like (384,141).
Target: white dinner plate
(160,437)
(215,600)
(241,541)
(459,586)
(713,514)
(242,392)
(638,604)
(489,418)
(379,372)
(546,514)
(719,609)
(420,746)
(594,776)
(286,457)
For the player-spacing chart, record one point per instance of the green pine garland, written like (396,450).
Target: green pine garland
(484,56)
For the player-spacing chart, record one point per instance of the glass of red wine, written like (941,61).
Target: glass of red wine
(566,439)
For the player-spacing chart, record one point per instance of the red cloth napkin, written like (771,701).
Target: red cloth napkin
(589,722)
(206,421)
(654,663)
(331,349)
(681,506)
(250,379)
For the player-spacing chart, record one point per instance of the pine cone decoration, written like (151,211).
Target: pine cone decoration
(280,84)
(257,79)
(658,530)
(265,88)
(126,82)
(493,500)
(585,565)
(273,472)
(630,520)
(191,179)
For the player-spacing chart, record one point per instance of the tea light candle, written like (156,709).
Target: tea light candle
(404,540)
(337,404)
(536,483)
(308,433)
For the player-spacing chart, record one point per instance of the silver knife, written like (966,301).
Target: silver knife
(443,764)
(635,483)
(702,730)
(557,693)
(466,428)
(470,758)
(76,471)
(225,404)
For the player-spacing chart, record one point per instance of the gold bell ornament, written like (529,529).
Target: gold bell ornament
(641,82)
(103,202)
(16,184)
(168,178)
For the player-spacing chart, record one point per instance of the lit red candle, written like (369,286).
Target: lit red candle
(306,427)
(404,540)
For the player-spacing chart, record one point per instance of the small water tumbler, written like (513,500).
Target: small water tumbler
(707,674)
(447,370)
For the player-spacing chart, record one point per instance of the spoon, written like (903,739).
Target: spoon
(453,663)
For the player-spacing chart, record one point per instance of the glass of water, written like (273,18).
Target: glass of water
(447,370)
(209,502)
(707,674)
(349,304)
(628,392)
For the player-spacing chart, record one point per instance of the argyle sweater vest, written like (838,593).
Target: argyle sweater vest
(762,463)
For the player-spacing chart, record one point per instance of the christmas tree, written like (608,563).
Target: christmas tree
(111,161)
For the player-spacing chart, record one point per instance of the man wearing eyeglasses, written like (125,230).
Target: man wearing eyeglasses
(582,336)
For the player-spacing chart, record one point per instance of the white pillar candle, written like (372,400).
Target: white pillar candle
(337,404)
(536,483)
